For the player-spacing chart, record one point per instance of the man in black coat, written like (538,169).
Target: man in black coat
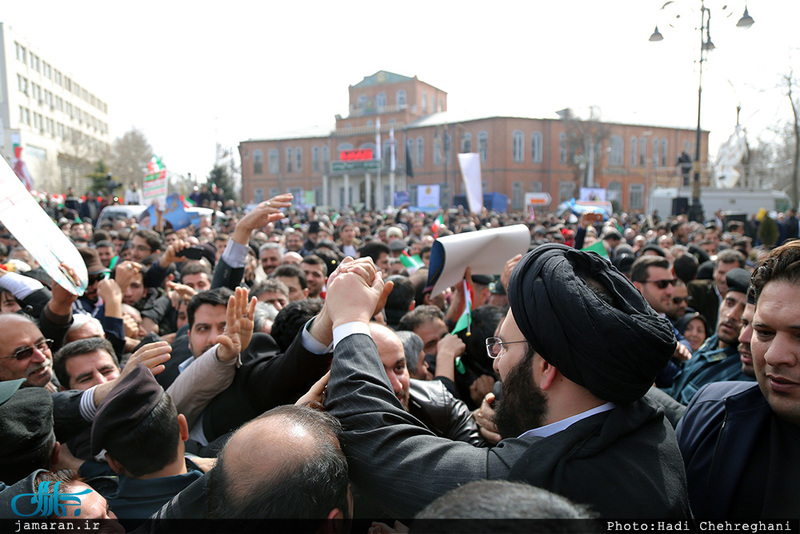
(572,410)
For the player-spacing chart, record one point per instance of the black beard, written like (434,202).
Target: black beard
(523,405)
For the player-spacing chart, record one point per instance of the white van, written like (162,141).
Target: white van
(740,200)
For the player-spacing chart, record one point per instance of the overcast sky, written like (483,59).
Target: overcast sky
(190,74)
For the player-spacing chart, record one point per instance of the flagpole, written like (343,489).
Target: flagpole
(380,157)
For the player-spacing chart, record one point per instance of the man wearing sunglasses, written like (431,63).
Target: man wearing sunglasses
(579,349)
(718,358)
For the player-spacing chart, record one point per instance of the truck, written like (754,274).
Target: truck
(674,201)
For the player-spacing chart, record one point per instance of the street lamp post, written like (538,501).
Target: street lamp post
(696,208)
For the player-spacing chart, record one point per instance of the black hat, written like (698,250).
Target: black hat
(92,261)
(130,402)
(482,279)
(682,323)
(313,227)
(738,279)
(623,262)
(655,248)
(496,288)
(26,418)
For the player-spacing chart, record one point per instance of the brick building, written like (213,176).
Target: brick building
(518,154)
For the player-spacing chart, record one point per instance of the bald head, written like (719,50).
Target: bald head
(259,477)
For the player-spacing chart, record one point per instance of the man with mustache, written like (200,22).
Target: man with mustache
(573,385)
(740,439)
(718,358)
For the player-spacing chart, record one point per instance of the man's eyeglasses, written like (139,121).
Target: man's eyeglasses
(495,345)
(94,278)
(24,353)
(662,284)
(678,300)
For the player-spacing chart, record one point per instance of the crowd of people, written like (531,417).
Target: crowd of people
(278,364)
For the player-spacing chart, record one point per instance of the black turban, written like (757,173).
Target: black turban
(614,351)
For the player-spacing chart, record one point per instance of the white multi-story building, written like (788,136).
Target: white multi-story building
(61,126)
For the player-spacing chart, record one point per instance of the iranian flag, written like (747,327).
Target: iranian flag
(465,320)
(411,263)
(437,224)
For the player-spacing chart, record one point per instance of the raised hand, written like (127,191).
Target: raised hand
(238,326)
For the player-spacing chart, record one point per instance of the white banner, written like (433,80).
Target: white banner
(470,164)
(428,196)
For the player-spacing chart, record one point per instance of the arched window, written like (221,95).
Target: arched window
(615,156)
(664,159)
(288,160)
(562,147)
(656,153)
(466,143)
(437,151)
(274,165)
(380,100)
(642,151)
(483,145)
(362,101)
(258,162)
(536,147)
(518,146)
(315,159)
(401,97)
(298,151)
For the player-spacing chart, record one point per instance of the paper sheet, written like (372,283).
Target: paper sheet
(484,252)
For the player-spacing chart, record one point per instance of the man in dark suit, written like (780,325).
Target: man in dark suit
(572,411)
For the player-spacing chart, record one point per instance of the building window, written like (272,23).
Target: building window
(401,97)
(315,159)
(634,151)
(274,164)
(518,146)
(562,148)
(420,150)
(258,162)
(483,145)
(437,151)
(22,54)
(326,158)
(655,153)
(362,101)
(466,143)
(565,191)
(614,192)
(344,146)
(424,102)
(386,154)
(299,154)
(22,82)
(664,159)
(637,197)
(289,160)
(258,195)
(536,147)
(536,187)
(615,155)
(516,196)
(274,192)
(380,100)
(642,151)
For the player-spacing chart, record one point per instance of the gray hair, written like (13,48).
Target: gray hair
(412,346)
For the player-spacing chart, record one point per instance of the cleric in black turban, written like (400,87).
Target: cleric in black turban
(606,339)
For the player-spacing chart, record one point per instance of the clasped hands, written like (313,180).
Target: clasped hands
(356,292)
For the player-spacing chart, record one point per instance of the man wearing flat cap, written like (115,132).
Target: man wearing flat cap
(576,353)
(718,358)
(143,435)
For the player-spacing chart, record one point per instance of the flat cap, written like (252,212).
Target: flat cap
(130,402)
(26,418)
(738,280)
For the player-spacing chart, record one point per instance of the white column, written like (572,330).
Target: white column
(346,191)
(380,203)
(368,191)
(391,188)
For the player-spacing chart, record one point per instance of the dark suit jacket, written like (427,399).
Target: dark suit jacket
(625,462)
(703,298)
(265,380)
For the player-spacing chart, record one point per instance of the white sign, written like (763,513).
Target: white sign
(428,196)
(37,232)
(537,199)
(471,174)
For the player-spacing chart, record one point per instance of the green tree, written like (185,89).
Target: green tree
(220,177)
(99,177)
